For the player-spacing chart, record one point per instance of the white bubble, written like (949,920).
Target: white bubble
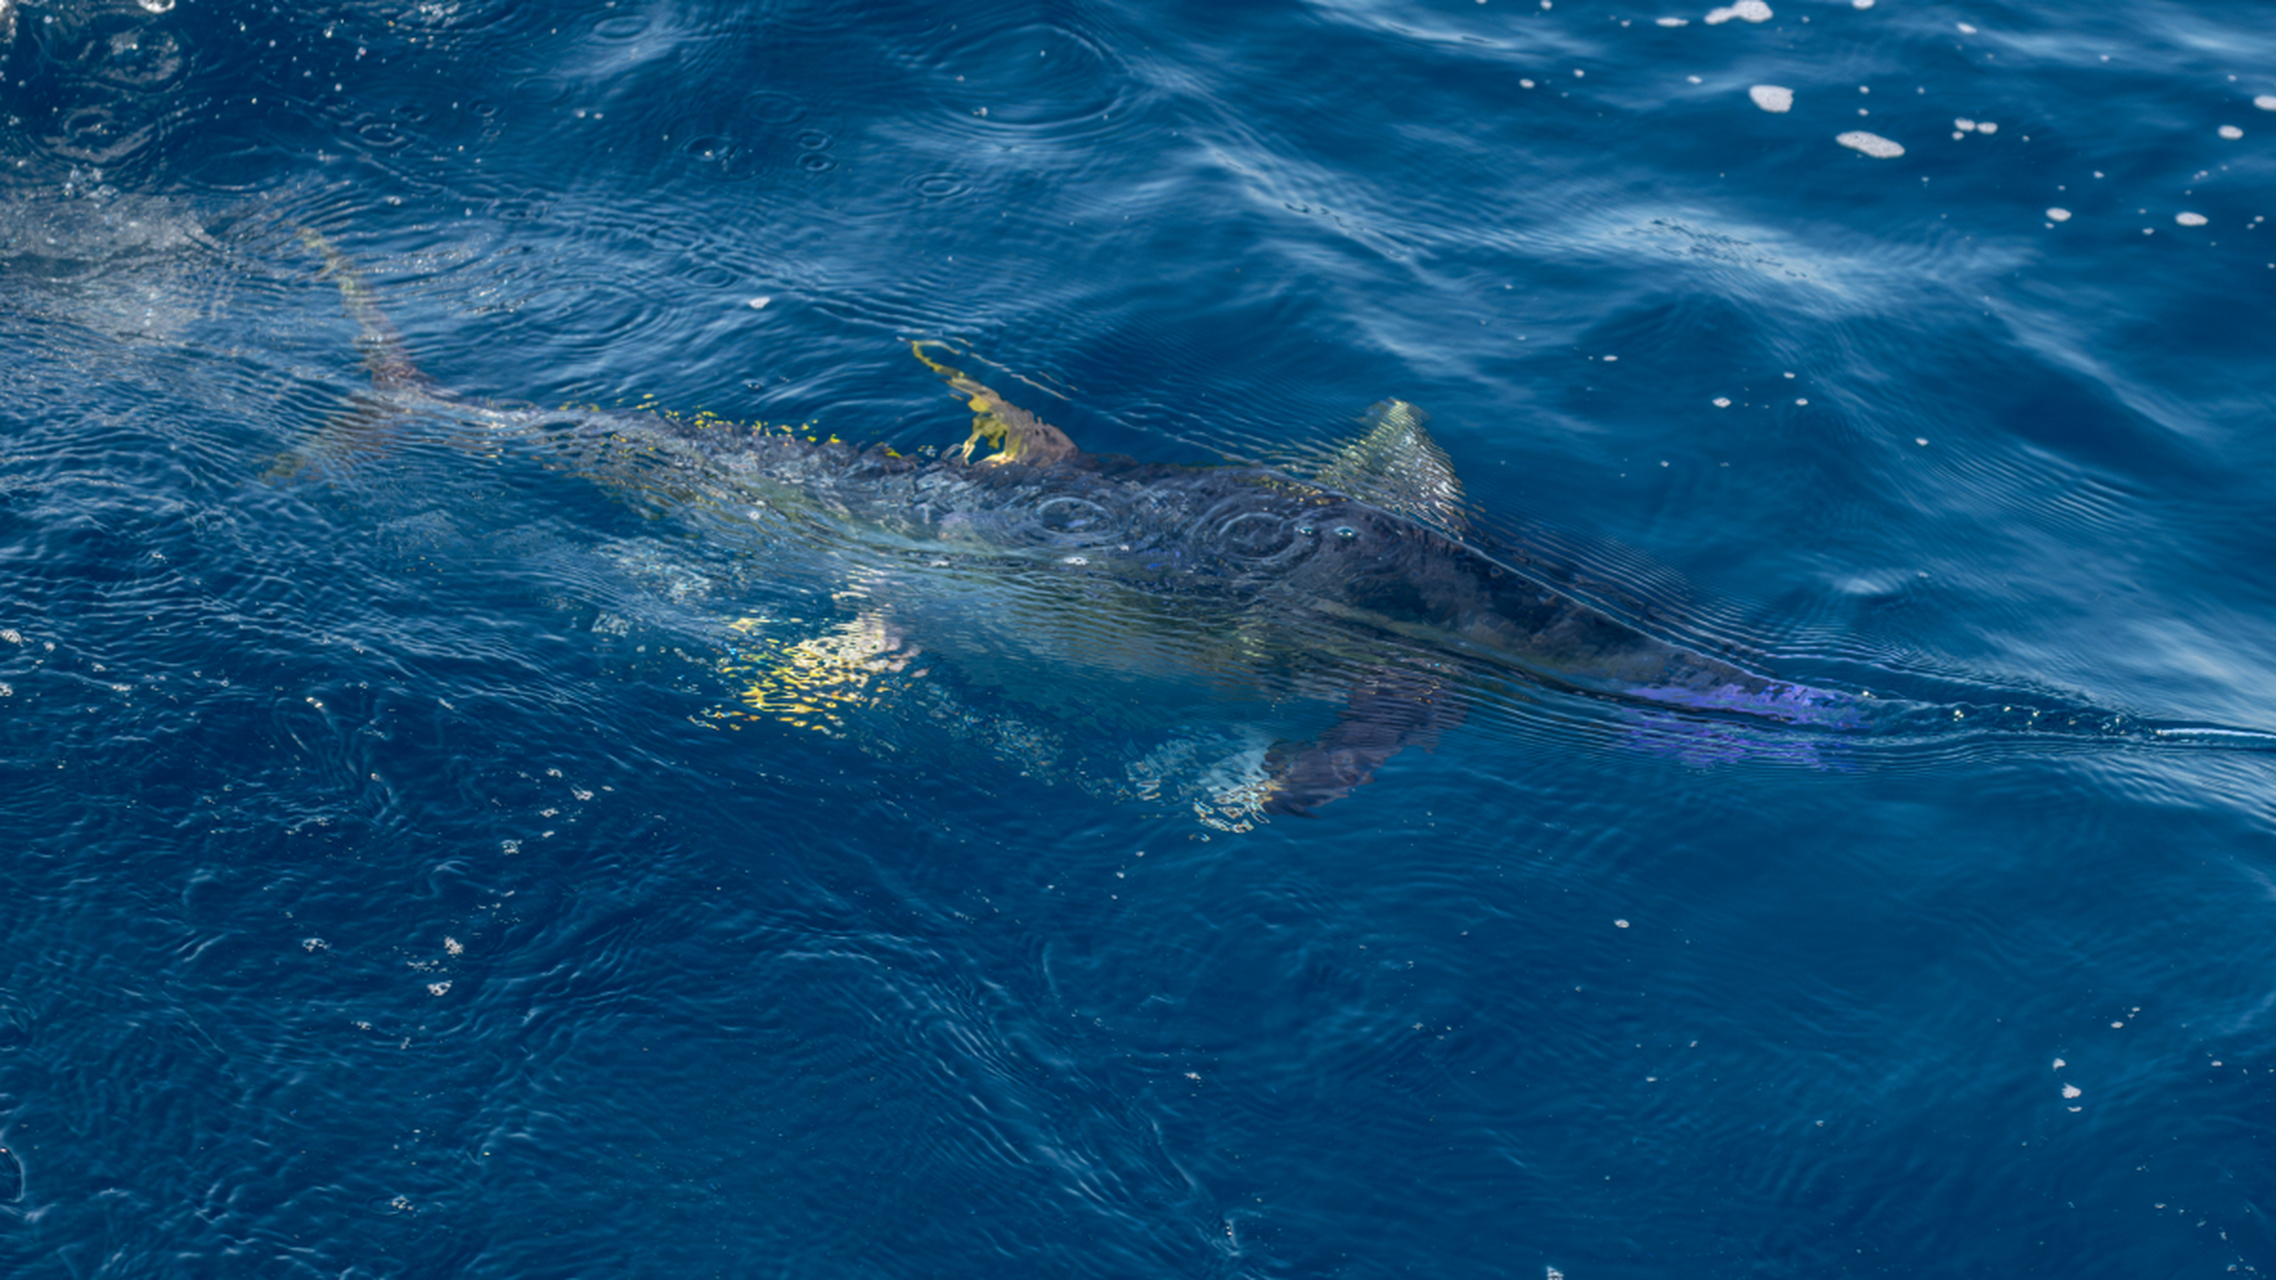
(2058,215)
(1860,4)
(1744,11)
(1801,401)
(438,988)
(760,303)
(1871,144)
(1922,441)
(1527,83)
(1722,402)
(1772,98)
(1619,924)
(2072,1091)
(2231,132)
(2115,1025)
(1967,30)
(1964,125)
(2266,102)
(1986,126)
(157,6)
(1612,357)
(2190,219)
(1675,22)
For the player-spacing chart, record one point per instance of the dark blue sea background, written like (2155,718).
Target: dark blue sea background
(403,878)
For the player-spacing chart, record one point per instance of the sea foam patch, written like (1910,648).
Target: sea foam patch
(1871,144)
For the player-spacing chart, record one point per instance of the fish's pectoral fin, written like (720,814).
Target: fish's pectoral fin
(1398,467)
(1016,434)
(1385,713)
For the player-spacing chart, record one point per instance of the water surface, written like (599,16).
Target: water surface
(403,884)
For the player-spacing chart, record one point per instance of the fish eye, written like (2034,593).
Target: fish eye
(1346,531)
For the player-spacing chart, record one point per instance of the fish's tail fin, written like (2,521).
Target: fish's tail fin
(1019,436)
(369,426)
(384,353)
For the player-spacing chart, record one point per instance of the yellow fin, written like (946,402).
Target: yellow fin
(1018,436)
(816,683)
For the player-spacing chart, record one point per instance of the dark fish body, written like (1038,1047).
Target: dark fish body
(1356,585)
(1247,534)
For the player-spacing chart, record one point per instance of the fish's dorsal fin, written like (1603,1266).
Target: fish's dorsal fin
(1398,467)
(1019,436)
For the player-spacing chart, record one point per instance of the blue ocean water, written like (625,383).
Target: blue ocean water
(456,859)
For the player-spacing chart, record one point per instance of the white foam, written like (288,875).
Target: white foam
(2231,132)
(2060,1064)
(2190,219)
(1860,4)
(1986,126)
(1871,144)
(2058,215)
(1967,30)
(1744,11)
(1775,99)
(1722,402)
(2072,1091)
(2266,102)
(1964,126)
(1675,22)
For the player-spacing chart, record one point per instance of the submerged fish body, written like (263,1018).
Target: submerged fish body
(1209,575)
(1357,586)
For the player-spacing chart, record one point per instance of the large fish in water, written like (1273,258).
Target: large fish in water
(1357,586)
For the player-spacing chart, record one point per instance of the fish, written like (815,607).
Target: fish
(1361,587)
